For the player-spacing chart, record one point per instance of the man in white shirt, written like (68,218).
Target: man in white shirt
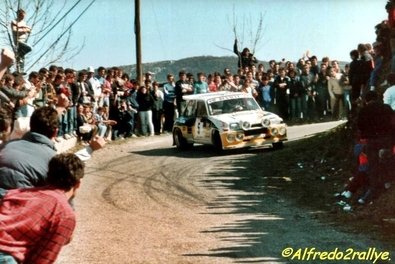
(389,94)
(20,31)
(96,86)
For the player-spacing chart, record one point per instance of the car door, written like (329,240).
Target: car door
(202,124)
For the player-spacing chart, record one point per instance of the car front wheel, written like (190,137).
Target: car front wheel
(217,141)
(278,145)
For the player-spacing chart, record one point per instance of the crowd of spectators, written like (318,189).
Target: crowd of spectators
(106,102)
(56,104)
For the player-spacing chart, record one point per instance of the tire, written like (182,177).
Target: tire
(278,145)
(180,142)
(217,141)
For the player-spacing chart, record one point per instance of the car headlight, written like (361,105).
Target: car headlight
(246,125)
(274,131)
(266,122)
(234,126)
(230,137)
(239,136)
(282,131)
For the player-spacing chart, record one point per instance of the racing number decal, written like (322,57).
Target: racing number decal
(200,130)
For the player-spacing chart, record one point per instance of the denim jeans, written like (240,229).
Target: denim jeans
(296,107)
(146,121)
(102,128)
(71,119)
(7,259)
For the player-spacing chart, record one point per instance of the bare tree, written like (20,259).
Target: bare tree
(50,33)
(247,30)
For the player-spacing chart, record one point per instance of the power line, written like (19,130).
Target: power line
(60,19)
(64,32)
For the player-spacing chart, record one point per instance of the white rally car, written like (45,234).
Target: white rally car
(227,120)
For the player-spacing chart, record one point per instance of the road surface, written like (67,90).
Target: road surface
(143,201)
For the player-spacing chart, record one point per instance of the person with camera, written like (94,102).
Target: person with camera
(246,58)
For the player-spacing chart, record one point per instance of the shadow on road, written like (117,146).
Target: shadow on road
(265,222)
(198,151)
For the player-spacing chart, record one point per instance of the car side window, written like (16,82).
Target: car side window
(201,109)
(190,109)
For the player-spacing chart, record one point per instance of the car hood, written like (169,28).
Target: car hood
(253,117)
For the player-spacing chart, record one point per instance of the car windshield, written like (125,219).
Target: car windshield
(232,105)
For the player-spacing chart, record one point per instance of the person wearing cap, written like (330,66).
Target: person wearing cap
(95,86)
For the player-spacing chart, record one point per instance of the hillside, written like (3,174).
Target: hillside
(206,64)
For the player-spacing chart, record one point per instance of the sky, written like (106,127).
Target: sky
(176,29)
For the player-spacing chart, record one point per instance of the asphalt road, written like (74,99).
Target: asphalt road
(143,201)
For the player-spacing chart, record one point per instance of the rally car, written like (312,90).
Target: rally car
(227,120)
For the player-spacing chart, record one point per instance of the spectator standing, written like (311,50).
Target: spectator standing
(378,64)
(146,102)
(265,92)
(101,77)
(95,86)
(200,86)
(335,90)
(245,58)
(169,103)
(37,222)
(45,90)
(354,75)
(212,87)
(20,33)
(281,86)
(157,108)
(308,81)
(296,93)
(107,90)
(365,68)
(183,87)
(322,94)
(345,83)
(254,83)
(315,68)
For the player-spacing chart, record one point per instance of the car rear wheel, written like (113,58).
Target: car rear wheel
(180,141)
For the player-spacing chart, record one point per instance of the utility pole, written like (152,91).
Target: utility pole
(139,68)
